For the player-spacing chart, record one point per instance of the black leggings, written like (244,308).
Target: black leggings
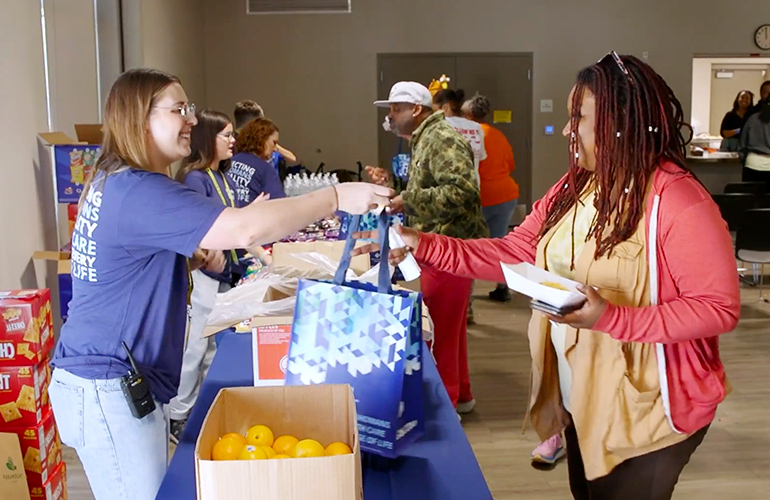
(649,477)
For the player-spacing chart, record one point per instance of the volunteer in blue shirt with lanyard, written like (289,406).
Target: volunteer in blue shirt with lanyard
(135,231)
(211,145)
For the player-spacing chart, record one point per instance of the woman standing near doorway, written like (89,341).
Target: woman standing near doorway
(734,120)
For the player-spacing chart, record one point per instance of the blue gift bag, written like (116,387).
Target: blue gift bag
(369,337)
(400,166)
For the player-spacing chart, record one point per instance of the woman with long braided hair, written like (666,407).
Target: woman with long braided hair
(633,376)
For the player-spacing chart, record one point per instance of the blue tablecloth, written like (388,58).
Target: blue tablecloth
(439,466)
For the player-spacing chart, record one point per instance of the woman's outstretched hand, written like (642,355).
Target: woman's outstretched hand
(411,239)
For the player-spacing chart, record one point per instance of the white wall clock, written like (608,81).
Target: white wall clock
(762,37)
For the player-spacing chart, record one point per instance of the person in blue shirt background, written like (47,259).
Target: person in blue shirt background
(135,231)
(211,145)
(248,110)
(250,169)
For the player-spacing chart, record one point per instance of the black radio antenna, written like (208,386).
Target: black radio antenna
(131,359)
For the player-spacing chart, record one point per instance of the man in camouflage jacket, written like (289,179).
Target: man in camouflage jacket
(442,196)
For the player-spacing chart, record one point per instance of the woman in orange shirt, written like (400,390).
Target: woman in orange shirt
(499,191)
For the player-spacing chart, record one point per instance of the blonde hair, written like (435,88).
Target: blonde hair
(124,127)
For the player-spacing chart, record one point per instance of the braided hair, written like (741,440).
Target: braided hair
(638,128)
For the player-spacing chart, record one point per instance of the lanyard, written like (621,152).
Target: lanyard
(230,194)
(189,301)
(231,197)
(189,283)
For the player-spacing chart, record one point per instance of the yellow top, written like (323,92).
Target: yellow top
(558,253)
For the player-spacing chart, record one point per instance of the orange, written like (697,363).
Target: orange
(250,452)
(309,448)
(338,449)
(284,445)
(226,449)
(259,435)
(268,451)
(236,436)
(281,455)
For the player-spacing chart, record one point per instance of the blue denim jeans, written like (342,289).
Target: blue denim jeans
(124,458)
(498,218)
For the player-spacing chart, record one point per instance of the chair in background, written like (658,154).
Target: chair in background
(733,206)
(752,242)
(755,188)
(763,201)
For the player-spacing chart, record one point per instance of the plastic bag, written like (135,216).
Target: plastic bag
(248,299)
(323,264)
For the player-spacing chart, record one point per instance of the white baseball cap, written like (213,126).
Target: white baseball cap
(407,92)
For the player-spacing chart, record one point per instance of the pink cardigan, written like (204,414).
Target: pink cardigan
(693,282)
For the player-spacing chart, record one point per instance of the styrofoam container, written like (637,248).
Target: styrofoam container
(527,279)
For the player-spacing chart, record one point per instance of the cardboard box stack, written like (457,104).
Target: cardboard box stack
(70,161)
(26,341)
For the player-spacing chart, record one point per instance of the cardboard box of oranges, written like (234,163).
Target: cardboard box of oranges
(291,443)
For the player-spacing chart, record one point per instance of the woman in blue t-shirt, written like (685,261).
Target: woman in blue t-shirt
(135,231)
(211,145)
(251,170)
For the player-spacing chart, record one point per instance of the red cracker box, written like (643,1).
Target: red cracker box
(55,488)
(23,395)
(40,448)
(72,215)
(26,327)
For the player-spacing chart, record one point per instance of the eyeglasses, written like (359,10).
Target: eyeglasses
(228,135)
(616,58)
(186,110)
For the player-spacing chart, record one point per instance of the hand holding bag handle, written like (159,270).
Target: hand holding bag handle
(383,225)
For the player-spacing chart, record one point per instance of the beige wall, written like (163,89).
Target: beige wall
(22,99)
(71,63)
(167,35)
(315,75)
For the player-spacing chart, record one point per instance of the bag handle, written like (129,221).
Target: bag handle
(383,225)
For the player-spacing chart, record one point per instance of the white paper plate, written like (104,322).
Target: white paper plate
(526,279)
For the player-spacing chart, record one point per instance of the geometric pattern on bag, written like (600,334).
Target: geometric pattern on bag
(412,359)
(356,329)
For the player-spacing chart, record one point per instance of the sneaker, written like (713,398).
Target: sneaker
(177,427)
(549,451)
(466,407)
(500,294)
